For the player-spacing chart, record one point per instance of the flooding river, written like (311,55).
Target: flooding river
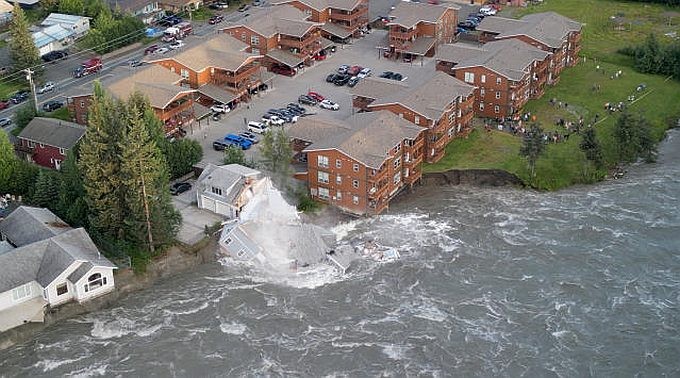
(582,282)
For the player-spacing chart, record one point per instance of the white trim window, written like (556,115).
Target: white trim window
(324,193)
(95,281)
(397,178)
(254,40)
(498,95)
(338,163)
(355,184)
(355,167)
(338,180)
(322,177)
(470,77)
(62,151)
(498,81)
(322,161)
(21,292)
(355,200)
(483,79)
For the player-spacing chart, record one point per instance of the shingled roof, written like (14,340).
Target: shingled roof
(26,225)
(220,51)
(409,14)
(285,19)
(549,28)
(53,132)
(154,81)
(509,57)
(365,137)
(321,5)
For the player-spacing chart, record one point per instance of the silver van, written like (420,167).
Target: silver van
(257,127)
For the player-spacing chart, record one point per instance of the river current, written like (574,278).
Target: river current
(492,282)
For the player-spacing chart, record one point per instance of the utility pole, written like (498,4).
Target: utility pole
(29,77)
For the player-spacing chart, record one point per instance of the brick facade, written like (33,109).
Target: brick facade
(41,154)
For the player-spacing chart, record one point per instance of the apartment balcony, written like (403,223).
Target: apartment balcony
(401,34)
(174,109)
(299,43)
(341,15)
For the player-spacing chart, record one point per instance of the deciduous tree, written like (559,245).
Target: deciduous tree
(533,146)
(633,137)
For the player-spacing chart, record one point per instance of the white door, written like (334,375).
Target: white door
(209,204)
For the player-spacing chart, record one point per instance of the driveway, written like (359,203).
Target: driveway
(194,219)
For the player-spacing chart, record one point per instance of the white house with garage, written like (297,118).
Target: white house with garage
(45,263)
(226,189)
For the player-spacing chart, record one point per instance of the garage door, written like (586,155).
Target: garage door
(209,204)
(223,209)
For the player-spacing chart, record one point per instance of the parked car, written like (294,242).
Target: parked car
(257,127)
(258,3)
(4,122)
(341,80)
(135,63)
(151,49)
(243,8)
(220,108)
(331,78)
(488,10)
(307,100)
(54,55)
(47,87)
(387,74)
(237,140)
(4,104)
(328,104)
(179,188)
(315,96)
(162,50)
(247,135)
(398,77)
(467,24)
(219,5)
(343,69)
(353,81)
(216,19)
(283,70)
(354,70)
(52,105)
(296,108)
(288,115)
(177,44)
(19,97)
(365,72)
(272,119)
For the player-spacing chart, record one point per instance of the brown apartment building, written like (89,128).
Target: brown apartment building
(416,29)
(361,163)
(547,31)
(281,34)
(506,73)
(442,105)
(219,68)
(341,19)
(173,104)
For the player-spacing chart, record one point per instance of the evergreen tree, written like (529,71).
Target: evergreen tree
(46,190)
(633,136)
(22,49)
(8,164)
(100,164)
(533,146)
(150,218)
(276,151)
(72,206)
(76,7)
(647,146)
(23,179)
(591,147)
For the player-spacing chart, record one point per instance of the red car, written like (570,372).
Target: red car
(315,96)
(4,104)
(283,70)
(354,70)
(216,19)
(150,50)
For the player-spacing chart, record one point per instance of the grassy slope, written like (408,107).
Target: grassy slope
(564,164)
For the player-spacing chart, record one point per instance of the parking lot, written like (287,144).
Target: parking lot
(284,90)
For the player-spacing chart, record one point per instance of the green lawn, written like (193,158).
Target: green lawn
(563,164)
(61,114)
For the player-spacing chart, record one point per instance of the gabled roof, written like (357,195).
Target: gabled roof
(45,260)
(321,5)
(62,19)
(364,137)
(220,51)
(285,57)
(26,225)
(50,34)
(285,19)
(336,30)
(231,178)
(131,6)
(508,57)
(53,132)
(409,14)
(5,7)
(549,28)
(428,98)
(154,81)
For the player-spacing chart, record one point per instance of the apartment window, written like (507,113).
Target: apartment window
(241,253)
(243,37)
(338,163)
(62,289)
(82,104)
(398,147)
(338,196)
(42,145)
(62,151)
(407,157)
(397,178)
(324,193)
(482,92)
(498,95)
(322,161)
(322,177)
(355,167)
(460,113)
(228,241)
(355,184)
(355,200)
(338,179)
(216,190)
(481,106)
(184,73)
(372,172)
(450,132)
(469,77)
(512,96)
(482,79)
(496,109)
(254,40)
(498,81)
(417,120)
(397,162)
(21,292)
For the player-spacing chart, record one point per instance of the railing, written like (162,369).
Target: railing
(169,113)
(339,15)
(403,36)
(300,44)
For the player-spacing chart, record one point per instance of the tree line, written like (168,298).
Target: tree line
(115,182)
(654,57)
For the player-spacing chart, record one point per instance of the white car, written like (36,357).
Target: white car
(47,87)
(220,108)
(257,127)
(4,122)
(162,50)
(488,11)
(176,44)
(365,72)
(328,104)
(273,120)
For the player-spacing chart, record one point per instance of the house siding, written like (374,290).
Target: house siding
(78,108)
(43,155)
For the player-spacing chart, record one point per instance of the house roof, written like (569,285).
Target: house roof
(429,97)
(420,46)
(62,19)
(5,246)
(320,5)
(285,57)
(216,93)
(129,5)
(53,33)
(80,272)
(220,51)
(409,14)
(549,28)
(53,132)
(231,178)
(26,225)
(284,19)
(5,7)
(45,260)
(509,57)
(154,81)
(368,139)
(336,30)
